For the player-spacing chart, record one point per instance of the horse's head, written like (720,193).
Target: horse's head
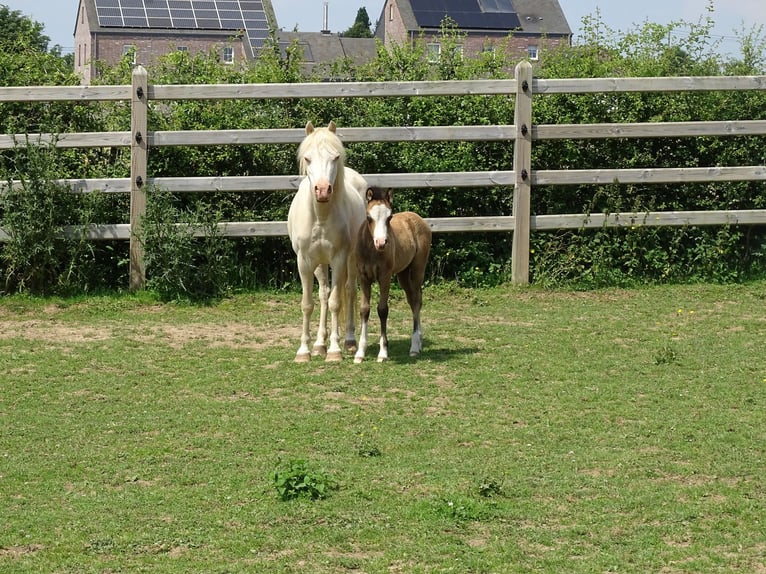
(379,213)
(321,157)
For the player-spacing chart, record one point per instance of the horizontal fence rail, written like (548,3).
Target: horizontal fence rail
(521,177)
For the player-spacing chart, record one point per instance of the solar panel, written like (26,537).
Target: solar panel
(469,14)
(234,15)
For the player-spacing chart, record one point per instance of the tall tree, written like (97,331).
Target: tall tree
(361,26)
(20,32)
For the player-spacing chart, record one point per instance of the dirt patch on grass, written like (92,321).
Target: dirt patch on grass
(235,335)
(52,332)
(19,551)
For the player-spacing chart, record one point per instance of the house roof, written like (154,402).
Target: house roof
(518,16)
(250,17)
(320,47)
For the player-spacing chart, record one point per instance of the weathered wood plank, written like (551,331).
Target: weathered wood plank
(649,130)
(295,136)
(331,90)
(64,93)
(649,219)
(67,140)
(666,84)
(659,175)
(138,175)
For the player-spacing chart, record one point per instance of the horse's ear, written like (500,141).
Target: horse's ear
(331,126)
(390,195)
(309,127)
(369,194)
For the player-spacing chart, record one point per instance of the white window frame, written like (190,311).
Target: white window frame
(228,55)
(434,51)
(128,49)
(533,53)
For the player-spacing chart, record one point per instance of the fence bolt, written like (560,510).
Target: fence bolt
(139,137)
(140,92)
(140,181)
(524,86)
(524,174)
(524,129)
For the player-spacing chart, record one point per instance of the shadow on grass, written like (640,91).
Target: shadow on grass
(399,352)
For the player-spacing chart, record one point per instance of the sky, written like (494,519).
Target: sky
(731,16)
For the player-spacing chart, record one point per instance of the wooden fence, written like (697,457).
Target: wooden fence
(520,177)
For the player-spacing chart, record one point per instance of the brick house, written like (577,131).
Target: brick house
(486,24)
(109,30)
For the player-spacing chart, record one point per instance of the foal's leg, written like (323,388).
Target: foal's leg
(364,316)
(385,287)
(320,346)
(307,307)
(412,286)
(350,306)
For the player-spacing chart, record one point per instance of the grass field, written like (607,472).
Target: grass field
(541,431)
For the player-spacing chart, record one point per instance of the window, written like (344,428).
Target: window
(129,51)
(533,53)
(183,48)
(391,12)
(434,51)
(228,55)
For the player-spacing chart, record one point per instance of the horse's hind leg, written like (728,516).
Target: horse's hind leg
(320,346)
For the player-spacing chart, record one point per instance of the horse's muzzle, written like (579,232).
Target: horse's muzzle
(323,194)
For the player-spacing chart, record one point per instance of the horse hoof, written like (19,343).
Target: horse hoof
(414,353)
(334,357)
(382,359)
(358,360)
(319,351)
(302,358)
(351,347)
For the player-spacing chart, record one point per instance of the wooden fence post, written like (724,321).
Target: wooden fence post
(138,167)
(522,167)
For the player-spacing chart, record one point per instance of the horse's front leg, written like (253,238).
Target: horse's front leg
(364,317)
(307,308)
(320,345)
(385,286)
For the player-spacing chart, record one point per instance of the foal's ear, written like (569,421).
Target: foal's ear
(369,194)
(331,126)
(390,195)
(309,127)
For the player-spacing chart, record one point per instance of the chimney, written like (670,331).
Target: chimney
(325,18)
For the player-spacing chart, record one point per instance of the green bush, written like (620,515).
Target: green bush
(298,479)
(179,264)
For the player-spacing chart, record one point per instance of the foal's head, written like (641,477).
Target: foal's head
(321,156)
(379,213)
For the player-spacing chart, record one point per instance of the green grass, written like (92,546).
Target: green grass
(541,431)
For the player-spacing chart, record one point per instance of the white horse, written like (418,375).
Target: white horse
(322,223)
